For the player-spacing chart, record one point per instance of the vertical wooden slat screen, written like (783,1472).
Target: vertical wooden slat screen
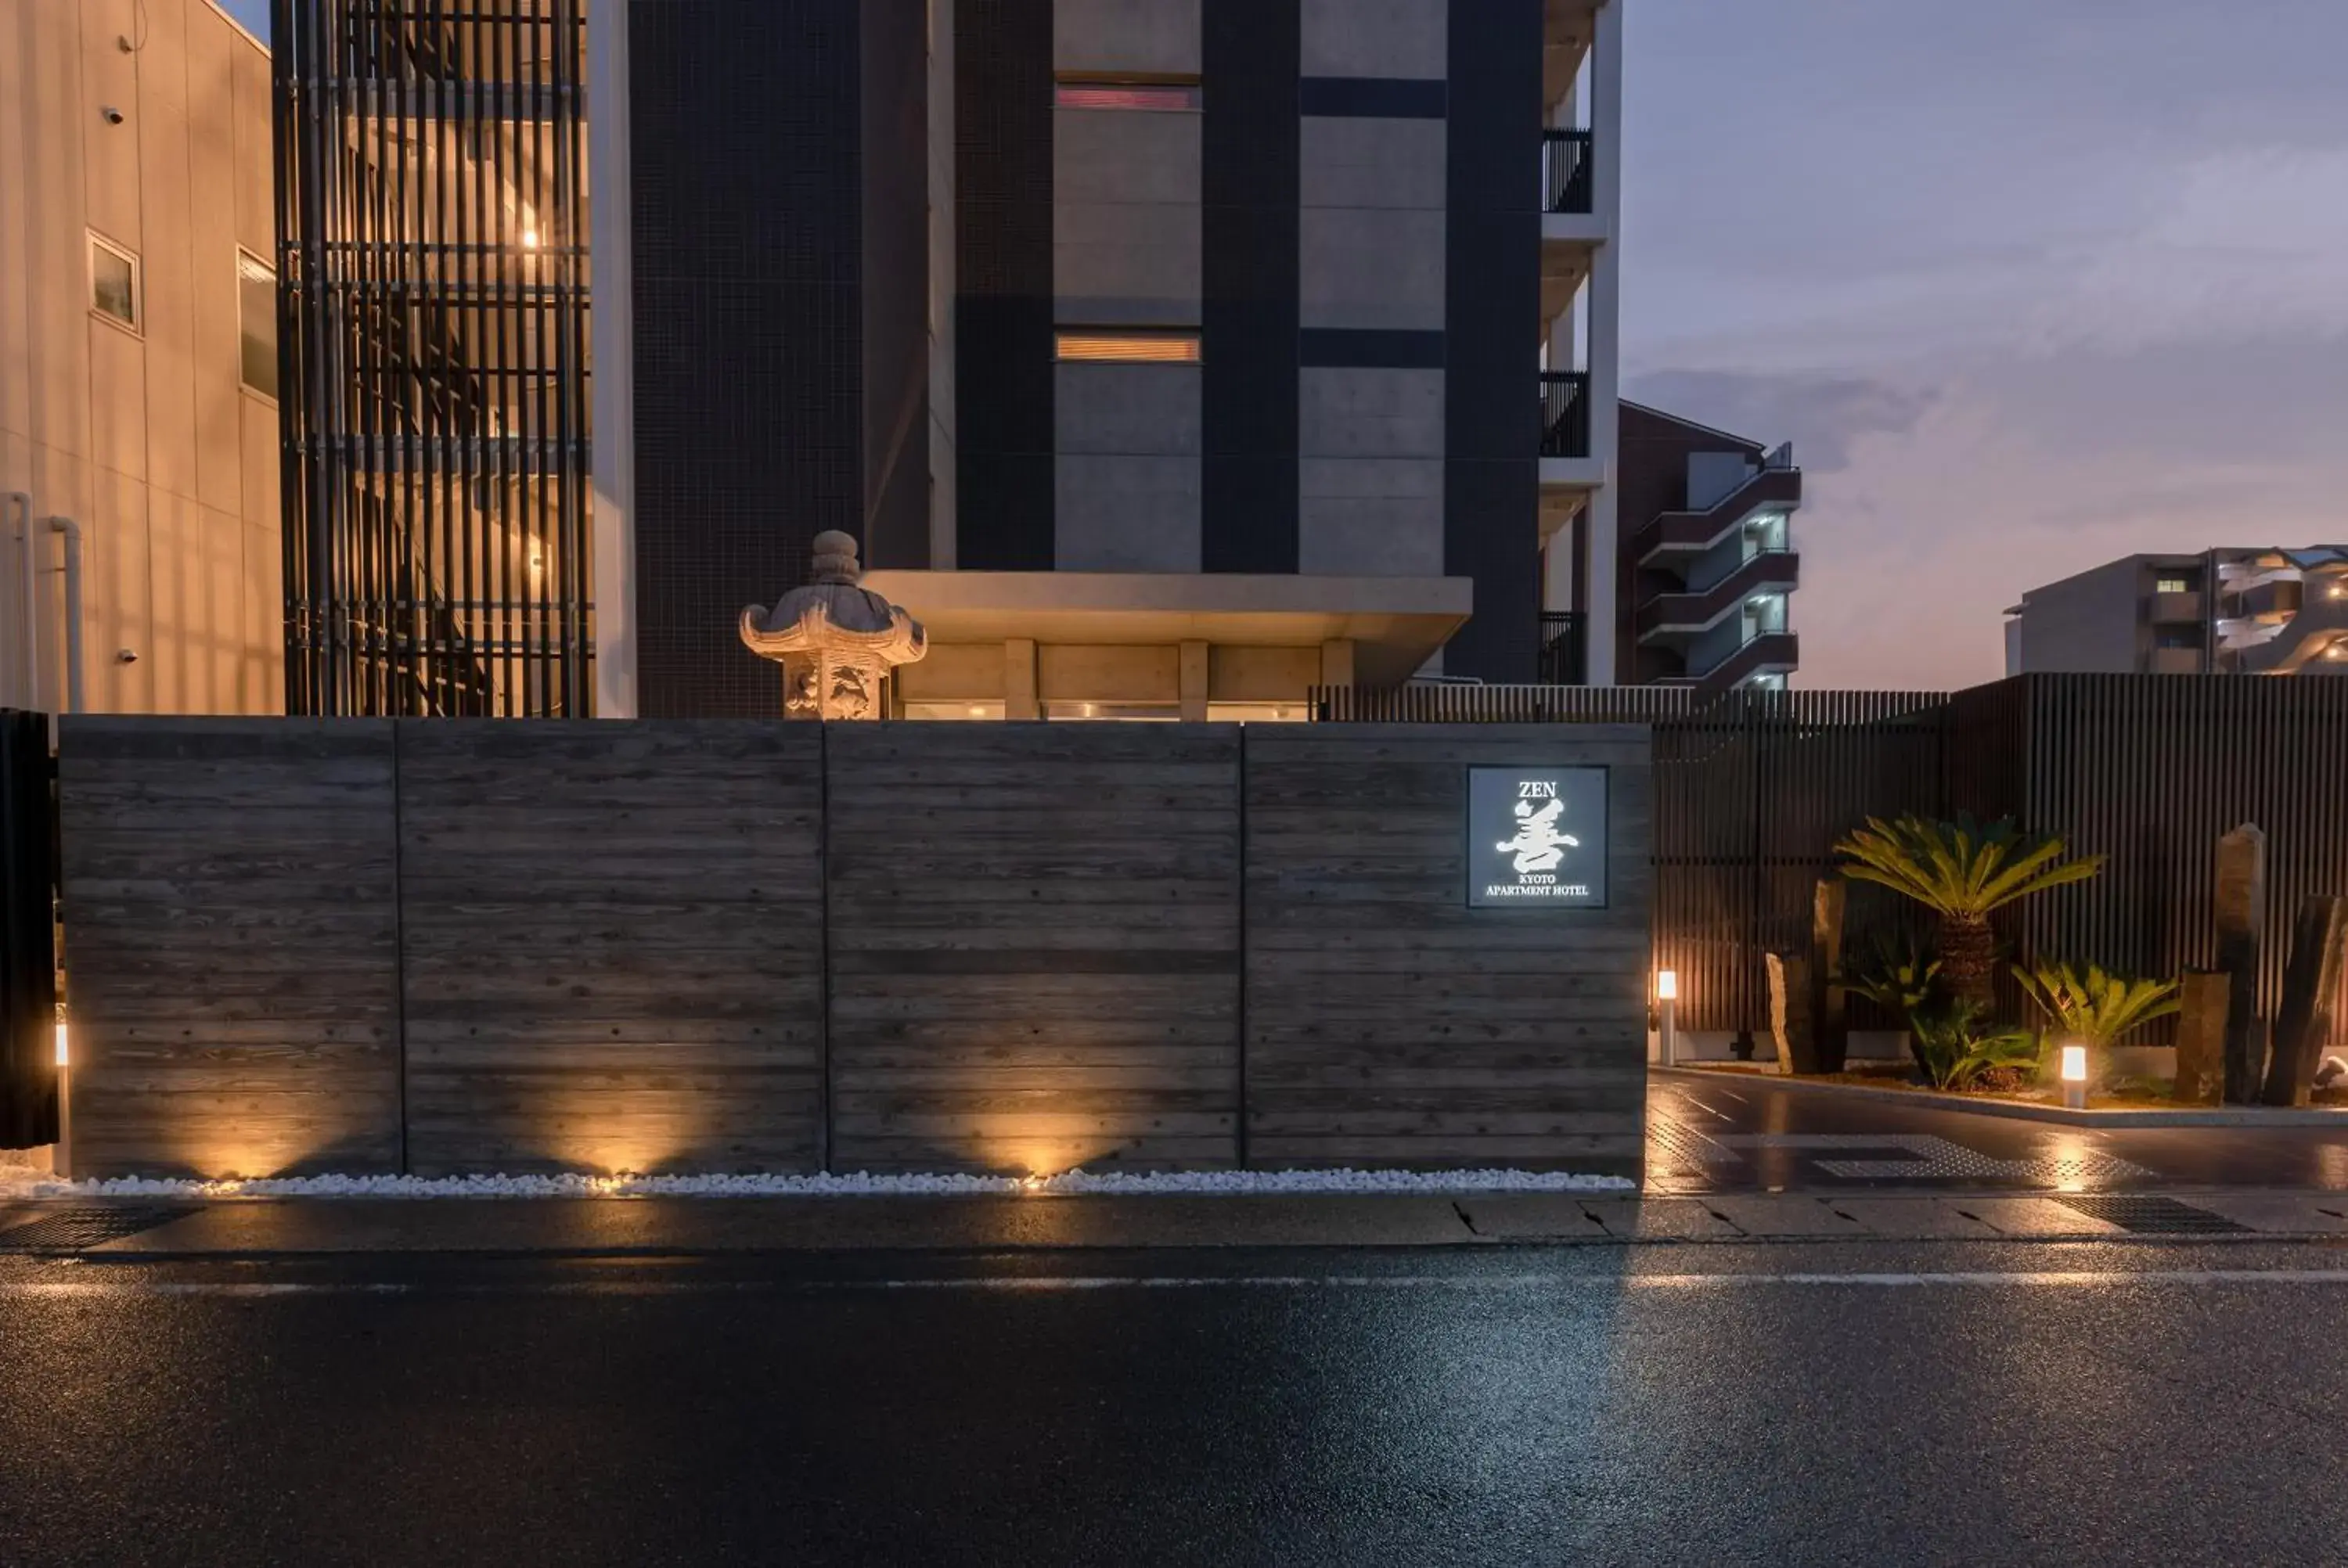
(433,296)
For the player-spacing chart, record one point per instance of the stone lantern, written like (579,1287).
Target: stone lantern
(836,641)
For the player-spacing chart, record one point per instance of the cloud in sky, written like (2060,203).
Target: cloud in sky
(2029,287)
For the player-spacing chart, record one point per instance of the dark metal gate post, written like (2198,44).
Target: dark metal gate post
(28,998)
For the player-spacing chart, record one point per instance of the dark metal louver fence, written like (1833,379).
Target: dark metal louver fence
(1568,183)
(1565,414)
(28,1073)
(433,311)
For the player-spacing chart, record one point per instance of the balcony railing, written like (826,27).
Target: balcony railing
(1565,414)
(1564,660)
(1765,571)
(1692,533)
(1566,171)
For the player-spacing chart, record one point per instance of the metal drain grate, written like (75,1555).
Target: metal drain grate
(2146,1215)
(78,1230)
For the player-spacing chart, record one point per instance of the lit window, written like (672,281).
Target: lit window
(1144,713)
(1126,93)
(982,708)
(2171,584)
(256,314)
(1129,346)
(114,281)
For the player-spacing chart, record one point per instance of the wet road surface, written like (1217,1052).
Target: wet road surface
(1711,1133)
(1983,1403)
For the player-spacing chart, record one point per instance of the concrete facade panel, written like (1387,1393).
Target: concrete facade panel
(1389,535)
(1112,156)
(1127,514)
(1139,35)
(1104,410)
(1077,672)
(1262,674)
(1372,163)
(1355,413)
(1371,269)
(1125,263)
(1408,39)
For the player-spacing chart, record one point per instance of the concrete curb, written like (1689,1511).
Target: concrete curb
(1933,1100)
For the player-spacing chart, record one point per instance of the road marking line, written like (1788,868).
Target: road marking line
(91,1289)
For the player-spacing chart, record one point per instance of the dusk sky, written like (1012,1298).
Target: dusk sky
(2029,283)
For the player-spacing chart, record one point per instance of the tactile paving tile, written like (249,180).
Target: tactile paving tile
(78,1230)
(2143,1214)
(1937,1159)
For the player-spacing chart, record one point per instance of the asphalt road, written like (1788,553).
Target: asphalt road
(2105,1403)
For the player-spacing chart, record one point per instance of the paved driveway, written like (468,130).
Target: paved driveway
(1747,1134)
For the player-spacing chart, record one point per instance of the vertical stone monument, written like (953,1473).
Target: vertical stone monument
(836,641)
(2242,941)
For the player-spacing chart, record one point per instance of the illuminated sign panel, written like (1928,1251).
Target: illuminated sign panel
(1537,838)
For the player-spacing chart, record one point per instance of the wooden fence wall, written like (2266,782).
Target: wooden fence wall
(1035,946)
(1382,1012)
(450,946)
(230,895)
(611,945)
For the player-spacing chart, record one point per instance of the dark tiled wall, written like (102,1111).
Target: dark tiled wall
(895,169)
(748,327)
(1248,335)
(1002,335)
(1492,325)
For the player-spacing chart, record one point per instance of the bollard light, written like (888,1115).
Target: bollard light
(2074,1077)
(1667,1029)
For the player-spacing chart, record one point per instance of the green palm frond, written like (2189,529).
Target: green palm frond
(2095,1005)
(1956,1044)
(1959,868)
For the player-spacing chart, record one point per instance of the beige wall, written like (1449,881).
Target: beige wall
(149,440)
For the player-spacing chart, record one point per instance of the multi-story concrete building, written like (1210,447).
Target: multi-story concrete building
(1707,560)
(2232,611)
(1168,357)
(138,365)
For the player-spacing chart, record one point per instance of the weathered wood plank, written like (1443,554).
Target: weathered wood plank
(613,946)
(1034,945)
(232,938)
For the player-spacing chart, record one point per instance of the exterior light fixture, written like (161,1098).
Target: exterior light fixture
(529,238)
(2074,1077)
(64,1057)
(1667,1007)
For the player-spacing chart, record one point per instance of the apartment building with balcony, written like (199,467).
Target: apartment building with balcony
(1708,564)
(139,568)
(1168,357)
(2225,612)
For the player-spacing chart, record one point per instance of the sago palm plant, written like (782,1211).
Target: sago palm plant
(2093,1007)
(1962,871)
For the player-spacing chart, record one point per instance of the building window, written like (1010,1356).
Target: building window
(256,314)
(1128,346)
(113,282)
(2172,585)
(1082,92)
